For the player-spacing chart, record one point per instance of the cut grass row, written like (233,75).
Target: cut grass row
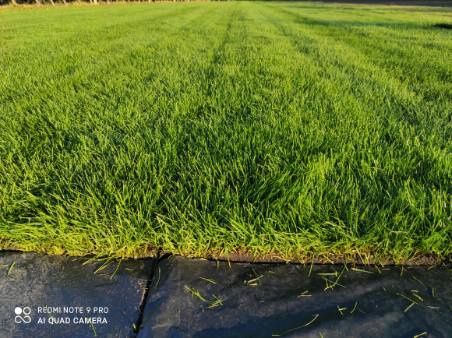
(281,130)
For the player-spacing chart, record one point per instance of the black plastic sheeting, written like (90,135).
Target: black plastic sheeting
(38,284)
(196,298)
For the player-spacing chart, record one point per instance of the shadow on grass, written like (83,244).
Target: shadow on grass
(428,3)
(342,24)
(443,25)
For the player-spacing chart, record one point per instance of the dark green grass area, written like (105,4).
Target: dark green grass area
(277,130)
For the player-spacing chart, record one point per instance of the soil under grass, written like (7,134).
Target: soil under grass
(295,131)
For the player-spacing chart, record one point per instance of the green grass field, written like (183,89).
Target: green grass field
(273,130)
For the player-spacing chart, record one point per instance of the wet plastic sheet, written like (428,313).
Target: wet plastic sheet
(29,281)
(196,298)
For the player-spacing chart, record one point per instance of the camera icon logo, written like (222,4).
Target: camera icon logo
(22,315)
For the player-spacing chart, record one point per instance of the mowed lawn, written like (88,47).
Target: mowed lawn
(299,131)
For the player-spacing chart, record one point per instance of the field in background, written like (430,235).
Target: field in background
(290,130)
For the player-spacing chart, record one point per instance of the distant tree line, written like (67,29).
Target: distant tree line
(65,2)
